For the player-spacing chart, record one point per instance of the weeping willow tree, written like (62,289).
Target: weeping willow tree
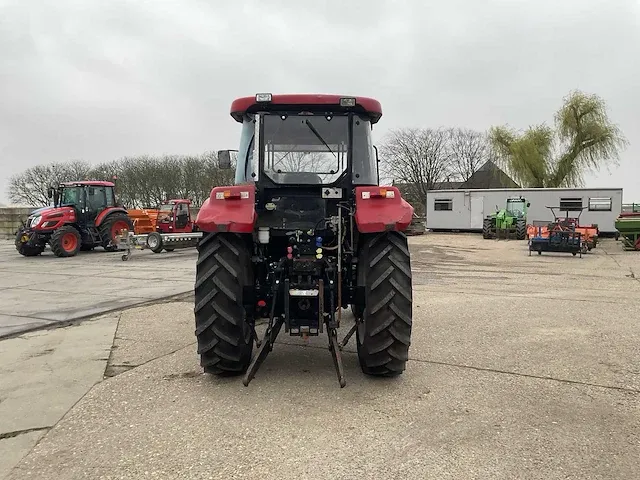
(584,139)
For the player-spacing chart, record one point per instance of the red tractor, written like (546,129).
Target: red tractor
(84,215)
(305,232)
(174,216)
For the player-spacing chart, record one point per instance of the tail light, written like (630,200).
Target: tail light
(231,195)
(379,193)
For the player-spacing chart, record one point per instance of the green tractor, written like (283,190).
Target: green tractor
(509,222)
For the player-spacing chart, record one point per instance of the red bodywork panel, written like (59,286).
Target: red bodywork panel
(381,214)
(244,104)
(54,217)
(237,215)
(103,214)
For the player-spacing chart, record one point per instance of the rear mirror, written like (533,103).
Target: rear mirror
(528,204)
(224,159)
(377,163)
(91,191)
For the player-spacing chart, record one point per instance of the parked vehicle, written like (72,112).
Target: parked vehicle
(305,231)
(508,222)
(84,215)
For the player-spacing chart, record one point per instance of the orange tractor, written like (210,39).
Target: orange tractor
(589,233)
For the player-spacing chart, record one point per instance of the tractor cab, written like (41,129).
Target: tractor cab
(304,140)
(174,216)
(304,154)
(517,207)
(87,198)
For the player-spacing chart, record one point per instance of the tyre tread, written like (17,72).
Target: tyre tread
(384,348)
(222,269)
(521,229)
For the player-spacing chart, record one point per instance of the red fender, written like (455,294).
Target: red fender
(229,209)
(381,209)
(103,214)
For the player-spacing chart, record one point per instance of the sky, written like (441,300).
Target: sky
(102,79)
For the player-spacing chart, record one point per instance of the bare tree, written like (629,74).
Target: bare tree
(141,181)
(470,150)
(30,187)
(417,159)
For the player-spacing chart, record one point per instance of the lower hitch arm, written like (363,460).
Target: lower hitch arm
(269,338)
(332,333)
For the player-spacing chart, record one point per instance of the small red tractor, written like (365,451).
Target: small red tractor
(84,215)
(304,232)
(174,216)
(167,227)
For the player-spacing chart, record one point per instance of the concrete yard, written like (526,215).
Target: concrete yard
(34,292)
(521,367)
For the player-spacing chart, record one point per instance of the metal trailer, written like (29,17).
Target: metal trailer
(465,209)
(566,241)
(156,242)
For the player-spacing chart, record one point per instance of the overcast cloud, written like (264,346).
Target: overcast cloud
(101,79)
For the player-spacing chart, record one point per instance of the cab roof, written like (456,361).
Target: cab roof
(88,183)
(243,105)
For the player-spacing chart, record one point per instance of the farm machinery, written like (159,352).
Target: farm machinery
(628,226)
(508,222)
(168,227)
(589,233)
(304,232)
(84,215)
(562,235)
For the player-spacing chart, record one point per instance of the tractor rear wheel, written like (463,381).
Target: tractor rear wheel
(224,335)
(112,226)
(65,242)
(521,229)
(384,334)
(486,228)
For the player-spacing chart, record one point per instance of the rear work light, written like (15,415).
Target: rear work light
(263,97)
(229,195)
(379,193)
(348,102)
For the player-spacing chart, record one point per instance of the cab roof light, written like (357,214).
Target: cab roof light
(348,102)
(263,97)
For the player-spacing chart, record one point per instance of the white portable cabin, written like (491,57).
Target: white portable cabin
(465,209)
